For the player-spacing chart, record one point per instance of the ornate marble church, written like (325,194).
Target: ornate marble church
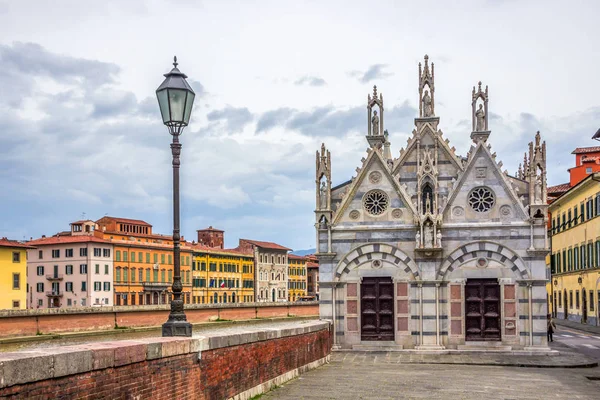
(432,250)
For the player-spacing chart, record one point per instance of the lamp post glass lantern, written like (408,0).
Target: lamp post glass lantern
(175,100)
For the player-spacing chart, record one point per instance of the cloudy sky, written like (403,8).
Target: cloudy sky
(80,130)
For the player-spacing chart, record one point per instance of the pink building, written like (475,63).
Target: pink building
(70,269)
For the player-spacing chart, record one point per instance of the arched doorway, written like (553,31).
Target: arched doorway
(583,307)
(155,300)
(566,304)
(233,297)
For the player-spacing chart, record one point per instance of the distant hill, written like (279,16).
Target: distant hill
(304,252)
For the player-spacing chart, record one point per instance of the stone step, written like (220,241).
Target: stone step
(378,346)
(483,347)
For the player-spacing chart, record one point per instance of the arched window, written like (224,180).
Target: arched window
(233,297)
(225,297)
(216,297)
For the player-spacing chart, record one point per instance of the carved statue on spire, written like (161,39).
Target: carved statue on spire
(427,105)
(375,123)
(480,119)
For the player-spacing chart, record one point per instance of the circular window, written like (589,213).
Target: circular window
(481,199)
(376,202)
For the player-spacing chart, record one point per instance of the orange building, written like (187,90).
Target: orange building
(143,262)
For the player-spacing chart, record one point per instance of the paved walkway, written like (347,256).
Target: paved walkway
(381,376)
(576,325)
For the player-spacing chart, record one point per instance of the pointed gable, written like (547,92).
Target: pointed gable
(375,175)
(481,177)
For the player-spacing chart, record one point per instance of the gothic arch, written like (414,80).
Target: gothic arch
(375,251)
(484,249)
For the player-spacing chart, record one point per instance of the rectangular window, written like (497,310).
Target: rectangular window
(570,259)
(106,252)
(162,276)
(132,256)
(575,216)
(106,269)
(39,287)
(590,256)
(155,275)
(97,269)
(125,256)
(40,254)
(597,253)
(69,302)
(147,274)
(133,277)
(16,281)
(118,255)
(83,252)
(583,257)
(83,269)
(162,258)
(118,277)
(148,258)
(16,256)
(97,252)
(569,216)
(141,275)
(576,257)
(140,257)
(171,259)
(126,275)
(570,299)
(591,300)
(55,253)
(84,286)
(170,276)
(155,258)
(68,269)
(202,266)
(582,212)
(68,252)
(16,303)
(97,286)
(558,266)
(577,299)
(68,286)
(106,286)
(40,270)
(564,259)
(559,300)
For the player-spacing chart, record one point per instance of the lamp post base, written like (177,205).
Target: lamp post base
(177,328)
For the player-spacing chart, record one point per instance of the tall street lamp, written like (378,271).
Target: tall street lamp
(175,98)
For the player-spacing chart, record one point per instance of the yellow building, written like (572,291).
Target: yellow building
(575,259)
(13,274)
(296,277)
(221,275)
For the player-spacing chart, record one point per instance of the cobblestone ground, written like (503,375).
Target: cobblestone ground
(376,376)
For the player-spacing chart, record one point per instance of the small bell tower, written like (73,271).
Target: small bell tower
(323,211)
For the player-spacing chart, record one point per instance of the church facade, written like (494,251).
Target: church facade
(431,250)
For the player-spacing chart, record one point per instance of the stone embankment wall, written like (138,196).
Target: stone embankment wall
(15,323)
(238,365)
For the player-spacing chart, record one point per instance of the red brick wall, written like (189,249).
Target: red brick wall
(221,373)
(31,322)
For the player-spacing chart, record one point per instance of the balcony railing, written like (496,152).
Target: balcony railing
(54,277)
(54,293)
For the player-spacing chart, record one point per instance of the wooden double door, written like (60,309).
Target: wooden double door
(482,309)
(377,309)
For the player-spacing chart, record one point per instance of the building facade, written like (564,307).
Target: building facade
(297,277)
(271,265)
(575,260)
(143,262)
(221,276)
(70,269)
(13,274)
(429,249)
(312,279)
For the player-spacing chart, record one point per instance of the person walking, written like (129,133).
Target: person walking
(550,328)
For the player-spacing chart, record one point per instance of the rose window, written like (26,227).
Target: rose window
(481,199)
(376,202)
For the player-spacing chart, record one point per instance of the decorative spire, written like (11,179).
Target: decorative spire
(175,63)
(374,91)
(426,90)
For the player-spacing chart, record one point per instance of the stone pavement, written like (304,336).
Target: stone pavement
(382,376)
(576,325)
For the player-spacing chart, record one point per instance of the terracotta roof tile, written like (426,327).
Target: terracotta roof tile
(563,187)
(65,239)
(128,221)
(210,228)
(266,245)
(208,249)
(312,265)
(296,257)
(4,242)
(582,150)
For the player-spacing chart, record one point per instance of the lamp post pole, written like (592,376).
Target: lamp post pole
(175,98)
